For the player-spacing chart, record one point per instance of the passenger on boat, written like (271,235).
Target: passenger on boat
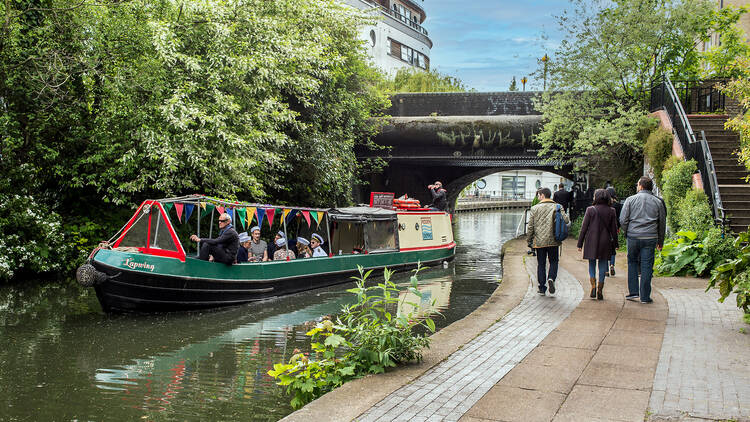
(303,248)
(439,196)
(315,244)
(244,246)
(258,248)
(283,253)
(272,245)
(224,248)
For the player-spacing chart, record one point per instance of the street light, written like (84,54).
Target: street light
(523,81)
(545,59)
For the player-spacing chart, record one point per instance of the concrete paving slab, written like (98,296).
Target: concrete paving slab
(614,375)
(639,325)
(549,369)
(586,337)
(628,338)
(516,404)
(586,403)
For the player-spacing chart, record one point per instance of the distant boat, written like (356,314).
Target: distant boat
(144,268)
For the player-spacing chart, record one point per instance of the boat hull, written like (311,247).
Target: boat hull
(146,283)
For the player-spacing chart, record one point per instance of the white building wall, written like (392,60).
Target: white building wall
(376,38)
(532,180)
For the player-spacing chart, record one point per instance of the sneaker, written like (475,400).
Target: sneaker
(632,297)
(541,292)
(551,283)
(612,270)
(646,300)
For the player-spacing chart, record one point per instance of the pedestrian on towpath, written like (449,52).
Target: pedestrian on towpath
(617,205)
(643,220)
(598,238)
(541,237)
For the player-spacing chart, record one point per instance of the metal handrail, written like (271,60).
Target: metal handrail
(691,146)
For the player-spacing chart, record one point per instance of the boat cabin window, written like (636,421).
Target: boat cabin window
(348,238)
(160,237)
(136,235)
(380,236)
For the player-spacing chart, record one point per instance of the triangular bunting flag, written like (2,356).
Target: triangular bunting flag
(270,212)
(285,213)
(209,209)
(189,211)
(321,214)
(220,209)
(250,215)
(306,214)
(260,214)
(203,205)
(290,215)
(167,206)
(178,207)
(230,211)
(242,214)
(315,217)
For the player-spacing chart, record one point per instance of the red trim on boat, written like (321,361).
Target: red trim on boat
(180,253)
(450,245)
(421,213)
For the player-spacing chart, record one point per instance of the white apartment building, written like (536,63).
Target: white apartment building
(398,39)
(515,184)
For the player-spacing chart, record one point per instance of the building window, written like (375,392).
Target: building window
(409,55)
(513,187)
(372,37)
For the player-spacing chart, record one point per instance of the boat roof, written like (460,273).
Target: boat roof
(198,198)
(361,214)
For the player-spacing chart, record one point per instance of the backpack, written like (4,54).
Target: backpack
(561,228)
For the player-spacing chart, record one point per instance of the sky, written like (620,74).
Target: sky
(487,42)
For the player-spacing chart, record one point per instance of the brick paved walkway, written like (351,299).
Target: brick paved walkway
(448,390)
(703,369)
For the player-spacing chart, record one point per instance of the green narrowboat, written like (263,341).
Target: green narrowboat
(145,268)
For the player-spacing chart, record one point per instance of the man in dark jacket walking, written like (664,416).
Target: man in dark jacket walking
(224,248)
(562,197)
(643,220)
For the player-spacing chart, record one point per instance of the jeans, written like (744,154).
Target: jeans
(603,268)
(640,255)
(542,255)
(612,260)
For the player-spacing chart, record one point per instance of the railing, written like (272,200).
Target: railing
(403,19)
(700,96)
(664,96)
(523,223)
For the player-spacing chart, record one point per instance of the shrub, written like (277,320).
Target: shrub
(677,181)
(31,237)
(367,338)
(682,255)
(693,213)
(733,276)
(718,247)
(575,227)
(658,149)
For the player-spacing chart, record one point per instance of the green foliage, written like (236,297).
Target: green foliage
(739,89)
(718,246)
(719,59)
(683,255)
(367,338)
(657,150)
(513,86)
(418,80)
(693,213)
(733,276)
(575,227)
(676,183)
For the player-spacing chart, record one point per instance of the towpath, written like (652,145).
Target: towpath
(524,357)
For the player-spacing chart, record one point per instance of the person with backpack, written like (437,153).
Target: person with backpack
(548,227)
(598,238)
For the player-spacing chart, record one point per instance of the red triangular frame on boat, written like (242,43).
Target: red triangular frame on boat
(179,253)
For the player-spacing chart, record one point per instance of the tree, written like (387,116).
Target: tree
(513,86)
(601,74)
(739,88)
(418,80)
(720,61)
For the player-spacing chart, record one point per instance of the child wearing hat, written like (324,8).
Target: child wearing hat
(315,244)
(303,248)
(282,252)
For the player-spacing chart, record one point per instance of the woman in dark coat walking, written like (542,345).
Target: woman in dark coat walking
(599,239)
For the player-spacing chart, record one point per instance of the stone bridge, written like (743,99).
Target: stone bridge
(458,138)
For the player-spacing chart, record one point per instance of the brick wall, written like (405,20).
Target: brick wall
(463,104)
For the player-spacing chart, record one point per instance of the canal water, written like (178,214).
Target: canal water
(62,359)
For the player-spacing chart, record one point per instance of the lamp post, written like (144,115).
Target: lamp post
(523,81)
(545,59)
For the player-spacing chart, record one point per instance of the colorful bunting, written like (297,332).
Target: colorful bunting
(189,211)
(260,215)
(203,205)
(242,214)
(270,212)
(167,206)
(315,217)
(250,215)
(209,208)
(321,214)
(306,214)
(178,207)
(285,213)
(290,215)
(220,209)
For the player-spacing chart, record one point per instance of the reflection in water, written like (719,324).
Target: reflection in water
(73,362)
(435,298)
